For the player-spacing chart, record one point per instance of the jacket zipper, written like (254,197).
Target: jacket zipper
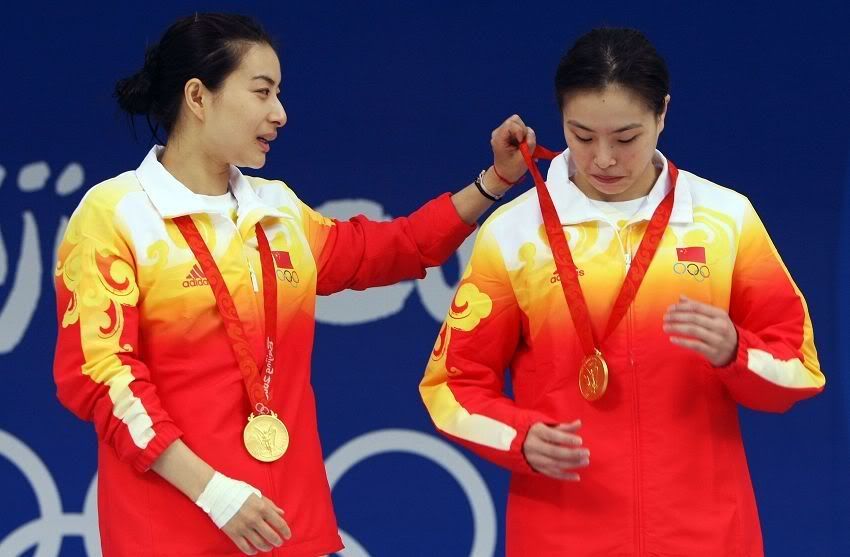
(627,255)
(254,282)
(626,248)
(639,541)
(255,285)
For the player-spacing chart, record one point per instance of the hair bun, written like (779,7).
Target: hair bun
(135,93)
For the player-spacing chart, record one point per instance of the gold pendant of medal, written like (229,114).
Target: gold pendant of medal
(593,377)
(265,437)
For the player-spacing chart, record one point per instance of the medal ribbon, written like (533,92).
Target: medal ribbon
(566,266)
(259,388)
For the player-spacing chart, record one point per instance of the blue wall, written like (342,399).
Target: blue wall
(391,105)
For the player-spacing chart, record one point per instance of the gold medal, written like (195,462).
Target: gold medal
(265,437)
(593,377)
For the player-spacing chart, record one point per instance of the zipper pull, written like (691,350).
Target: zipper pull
(628,260)
(254,282)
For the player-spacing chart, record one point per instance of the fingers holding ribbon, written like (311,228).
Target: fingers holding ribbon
(508,165)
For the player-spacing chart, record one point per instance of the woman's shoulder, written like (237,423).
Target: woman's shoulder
(520,211)
(513,225)
(275,193)
(259,184)
(707,191)
(103,210)
(712,198)
(108,194)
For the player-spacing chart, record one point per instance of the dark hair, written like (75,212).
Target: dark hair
(207,46)
(614,56)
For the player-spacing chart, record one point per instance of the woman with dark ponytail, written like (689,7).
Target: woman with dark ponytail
(636,305)
(186,294)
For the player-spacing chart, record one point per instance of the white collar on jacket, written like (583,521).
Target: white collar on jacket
(574,207)
(173,199)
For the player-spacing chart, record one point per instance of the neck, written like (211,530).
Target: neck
(195,169)
(641,187)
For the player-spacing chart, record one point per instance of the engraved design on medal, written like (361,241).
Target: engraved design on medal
(265,437)
(593,377)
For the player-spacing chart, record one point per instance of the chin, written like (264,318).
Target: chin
(621,191)
(254,162)
(609,193)
(612,191)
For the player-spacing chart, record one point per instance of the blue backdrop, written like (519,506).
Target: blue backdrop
(388,106)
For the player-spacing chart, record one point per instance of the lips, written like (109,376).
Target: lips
(607,179)
(265,141)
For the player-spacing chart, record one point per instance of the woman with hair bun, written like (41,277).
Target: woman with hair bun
(185,298)
(636,305)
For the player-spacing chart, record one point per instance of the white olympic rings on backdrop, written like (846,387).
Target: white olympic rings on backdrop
(47,532)
(435,450)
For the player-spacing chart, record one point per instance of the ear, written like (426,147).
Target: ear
(663,114)
(197,97)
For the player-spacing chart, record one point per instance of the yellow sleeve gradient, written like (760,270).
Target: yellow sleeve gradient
(464,380)
(98,373)
(776,364)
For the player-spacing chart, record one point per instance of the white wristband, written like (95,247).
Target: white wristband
(223,497)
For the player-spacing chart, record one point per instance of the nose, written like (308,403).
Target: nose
(604,156)
(278,114)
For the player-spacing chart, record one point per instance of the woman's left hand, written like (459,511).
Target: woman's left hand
(703,328)
(505,140)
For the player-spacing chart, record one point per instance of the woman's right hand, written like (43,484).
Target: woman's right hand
(257,526)
(555,451)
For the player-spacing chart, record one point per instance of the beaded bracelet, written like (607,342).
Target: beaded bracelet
(479,183)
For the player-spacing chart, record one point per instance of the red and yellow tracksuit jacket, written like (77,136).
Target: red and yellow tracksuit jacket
(142,352)
(668,475)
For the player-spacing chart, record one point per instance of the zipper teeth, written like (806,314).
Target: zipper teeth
(636,406)
(254,282)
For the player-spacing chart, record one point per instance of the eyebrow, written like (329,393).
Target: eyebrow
(265,78)
(623,129)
